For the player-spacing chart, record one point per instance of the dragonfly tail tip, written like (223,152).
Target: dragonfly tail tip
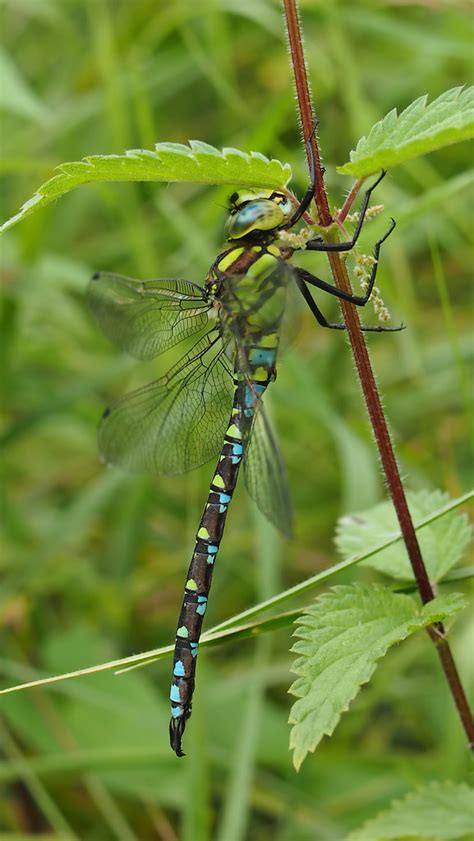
(177,726)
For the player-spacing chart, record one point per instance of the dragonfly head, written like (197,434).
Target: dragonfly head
(257,213)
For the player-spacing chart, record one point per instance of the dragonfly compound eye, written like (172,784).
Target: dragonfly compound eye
(262,214)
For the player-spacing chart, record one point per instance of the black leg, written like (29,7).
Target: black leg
(318,244)
(358,300)
(322,320)
(309,195)
(304,204)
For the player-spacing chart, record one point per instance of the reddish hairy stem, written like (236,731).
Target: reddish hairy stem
(366,375)
(350,200)
(306,114)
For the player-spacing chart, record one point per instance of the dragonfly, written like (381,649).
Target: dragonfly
(211,401)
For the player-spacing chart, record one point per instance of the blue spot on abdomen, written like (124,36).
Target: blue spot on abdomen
(174,694)
(178,670)
(176,712)
(262,356)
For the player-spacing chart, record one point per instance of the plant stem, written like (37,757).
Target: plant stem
(366,375)
(350,200)
(306,113)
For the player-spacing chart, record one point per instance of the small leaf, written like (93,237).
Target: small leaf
(341,637)
(438,812)
(419,129)
(197,162)
(442,542)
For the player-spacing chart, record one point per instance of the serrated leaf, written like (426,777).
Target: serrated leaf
(419,129)
(340,639)
(442,542)
(198,162)
(438,812)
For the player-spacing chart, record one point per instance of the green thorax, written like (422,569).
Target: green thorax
(249,284)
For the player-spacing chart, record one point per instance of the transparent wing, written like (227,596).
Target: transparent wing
(146,317)
(176,422)
(259,301)
(295,312)
(265,474)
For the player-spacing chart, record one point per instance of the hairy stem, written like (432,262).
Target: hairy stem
(350,200)
(306,113)
(366,374)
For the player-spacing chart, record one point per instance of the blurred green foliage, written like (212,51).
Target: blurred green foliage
(92,562)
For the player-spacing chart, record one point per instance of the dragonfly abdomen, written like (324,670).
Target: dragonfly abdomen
(198,581)
(247,392)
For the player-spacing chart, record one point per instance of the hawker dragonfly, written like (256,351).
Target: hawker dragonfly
(211,401)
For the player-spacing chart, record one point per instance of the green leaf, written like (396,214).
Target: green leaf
(198,162)
(442,542)
(419,129)
(438,812)
(340,639)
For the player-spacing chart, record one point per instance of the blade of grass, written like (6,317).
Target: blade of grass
(92,784)
(226,630)
(464,384)
(36,789)
(314,580)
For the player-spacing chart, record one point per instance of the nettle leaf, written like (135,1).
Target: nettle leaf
(442,811)
(442,542)
(198,162)
(419,129)
(340,639)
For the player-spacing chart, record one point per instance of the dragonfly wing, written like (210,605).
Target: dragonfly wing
(176,422)
(146,317)
(265,474)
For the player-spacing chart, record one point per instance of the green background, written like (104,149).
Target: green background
(93,561)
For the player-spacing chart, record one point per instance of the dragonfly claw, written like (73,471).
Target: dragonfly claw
(177,726)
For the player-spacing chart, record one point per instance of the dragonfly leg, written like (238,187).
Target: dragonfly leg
(322,320)
(318,244)
(309,195)
(358,300)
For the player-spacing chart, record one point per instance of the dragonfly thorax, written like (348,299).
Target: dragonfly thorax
(257,214)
